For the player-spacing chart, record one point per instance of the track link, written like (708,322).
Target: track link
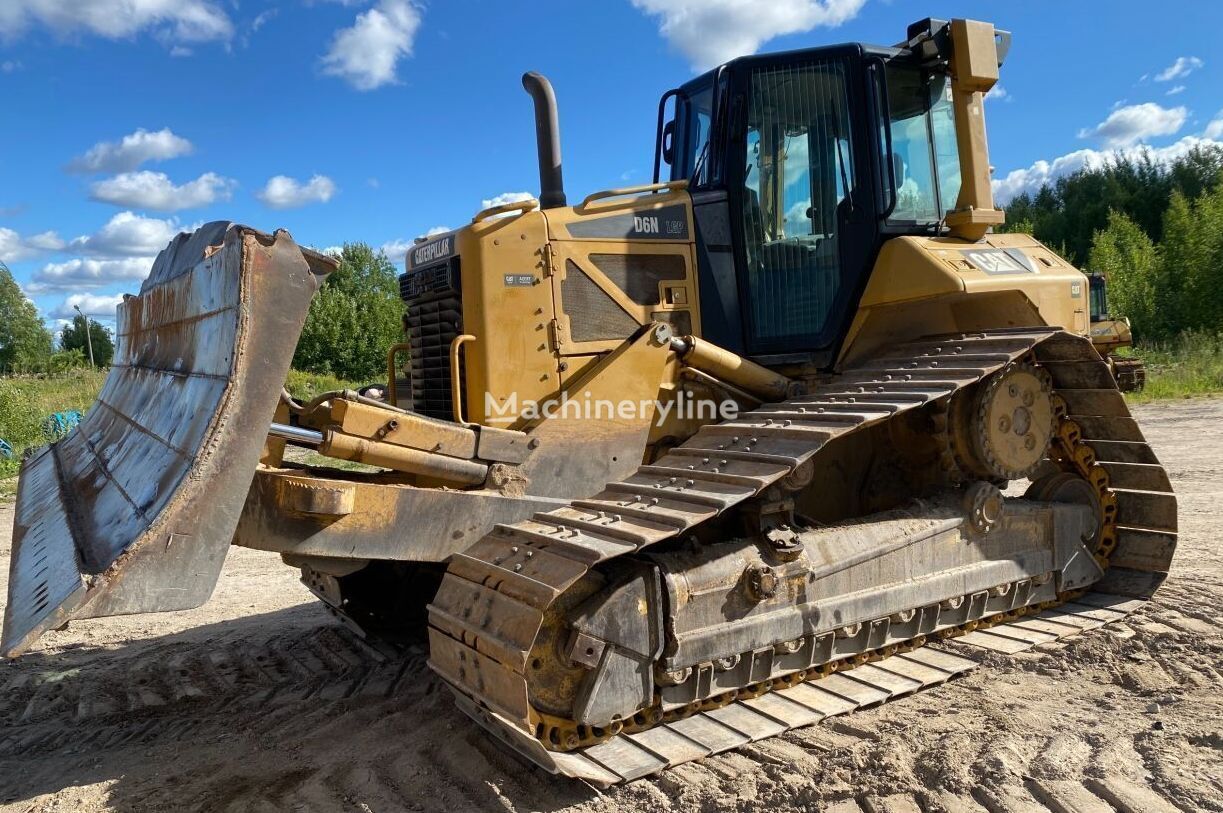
(498,595)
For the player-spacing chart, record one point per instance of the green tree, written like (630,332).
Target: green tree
(1201,264)
(25,342)
(354,318)
(72,337)
(1125,255)
(1069,211)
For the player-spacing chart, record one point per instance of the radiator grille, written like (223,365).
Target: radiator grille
(593,315)
(638,275)
(435,317)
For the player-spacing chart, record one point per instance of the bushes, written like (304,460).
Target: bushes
(1171,287)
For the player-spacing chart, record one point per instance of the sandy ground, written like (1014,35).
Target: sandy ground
(258,701)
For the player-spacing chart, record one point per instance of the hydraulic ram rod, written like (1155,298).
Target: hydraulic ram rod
(297,435)
(386,455)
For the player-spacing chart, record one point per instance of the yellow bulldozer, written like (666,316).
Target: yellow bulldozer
(1112,333)
(787,432)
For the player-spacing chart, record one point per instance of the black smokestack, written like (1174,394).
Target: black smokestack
(547,139)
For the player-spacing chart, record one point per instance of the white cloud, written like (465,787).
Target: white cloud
(1031,179)
(1137,122)
(263,18)
(10,66)
(366,54)
(128,235)
(283,192)
(155,190)
(88,272)
(504,198)
(999,93)
(131,151)
(1175,90)
(95,305)
(1183,66)
(1215,128)
(15,248)
(168,20)
(709,32)
(396,250)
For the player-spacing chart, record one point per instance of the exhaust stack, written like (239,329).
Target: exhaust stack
(547,139)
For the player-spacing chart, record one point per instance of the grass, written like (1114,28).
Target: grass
(1190,365)
(25,403)
(304,386)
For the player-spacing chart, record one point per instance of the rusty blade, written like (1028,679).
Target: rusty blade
(134,510)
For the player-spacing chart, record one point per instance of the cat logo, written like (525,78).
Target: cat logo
(645,225)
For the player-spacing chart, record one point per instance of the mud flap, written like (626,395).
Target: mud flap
(133,511)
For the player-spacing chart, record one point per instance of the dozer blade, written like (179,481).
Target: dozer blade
(134,510)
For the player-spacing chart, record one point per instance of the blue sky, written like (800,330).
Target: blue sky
(378,120)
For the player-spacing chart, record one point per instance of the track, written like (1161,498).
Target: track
(493,609)
(1134,706)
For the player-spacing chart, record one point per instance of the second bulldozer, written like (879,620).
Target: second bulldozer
(1112,333)
(657,474)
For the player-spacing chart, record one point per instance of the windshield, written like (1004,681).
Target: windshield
(924,159)
(1099,301)
(797,178)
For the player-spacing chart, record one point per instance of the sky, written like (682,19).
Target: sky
(127,121)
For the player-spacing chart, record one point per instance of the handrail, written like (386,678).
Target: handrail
(515,206)
(392,392)
(885,116)
(633,190)
(658,129)
(456,383)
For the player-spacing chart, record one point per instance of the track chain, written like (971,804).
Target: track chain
(499,594)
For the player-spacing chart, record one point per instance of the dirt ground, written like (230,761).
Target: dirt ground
(259,701)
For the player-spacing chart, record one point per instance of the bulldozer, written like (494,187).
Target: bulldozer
(782,434)
(1112,333)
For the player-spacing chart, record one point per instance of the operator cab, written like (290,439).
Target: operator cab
(1099,298)
(800,164)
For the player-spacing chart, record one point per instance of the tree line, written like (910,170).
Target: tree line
(27,345)
(1154,230)
(354,319)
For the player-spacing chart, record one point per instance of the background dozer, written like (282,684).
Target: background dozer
(670,470)
(1112,333)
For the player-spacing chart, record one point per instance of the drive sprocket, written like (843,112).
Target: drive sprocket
(1003,430)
